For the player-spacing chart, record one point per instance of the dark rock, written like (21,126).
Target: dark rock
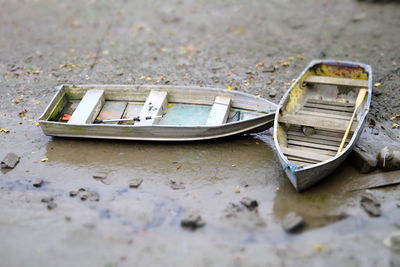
(272,93)
(292,222)
(37,182)
(51,205)
(362,160)
(84,196)
(10,161)
(192,222)
(47,199)
(177,186)
(135,182)
(249,203)
(242,217)
(371,205)
(73,193)
(270,68)
(102,178)
(389,158)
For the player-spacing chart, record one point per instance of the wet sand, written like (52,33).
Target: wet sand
(47,43)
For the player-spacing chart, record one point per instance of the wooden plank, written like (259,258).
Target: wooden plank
(301,163)
(328,102)
(321,123)
(302,160)
(88,108)
(112,110)
(311,139)
(318,136)
(313,150)
(304,154)
(219,111)
(325,115)
(312,145)
(323,112)
(155,105)
(337,81)
(328,107)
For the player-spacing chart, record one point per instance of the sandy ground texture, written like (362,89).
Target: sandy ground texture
(252,46)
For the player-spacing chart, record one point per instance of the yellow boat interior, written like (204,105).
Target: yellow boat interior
(316,113)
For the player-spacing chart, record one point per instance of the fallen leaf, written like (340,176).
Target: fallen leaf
(229,87)
(44,160)
(169,105)
(36,124)
(318,246)
(178,167)
(17,101)
(377,84)
(372,123)
(22,113)
(4,131)
(38,102)
(395,117)
(300,56)
(395,126)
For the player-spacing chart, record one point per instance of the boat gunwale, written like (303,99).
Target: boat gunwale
(298,169)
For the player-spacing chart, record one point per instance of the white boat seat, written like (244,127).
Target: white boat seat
(154,108)
(336,81)
(219,111)
(88,108)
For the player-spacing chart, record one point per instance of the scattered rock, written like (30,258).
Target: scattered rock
(362,160)
(249,203)
(192,222)
(102,178)
(135,182)
(47,199)
(272,93)
(371,205)
(10,161)
(51,205)
(84,194)
(241,217)
(270,68)
(176,186)
(308,131)
(389,158)
(73,193)
(292,222)
(393,241)
(37,182)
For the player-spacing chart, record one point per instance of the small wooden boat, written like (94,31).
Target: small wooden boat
(157,113)
(320,118)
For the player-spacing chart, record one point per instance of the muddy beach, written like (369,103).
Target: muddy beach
(114,203)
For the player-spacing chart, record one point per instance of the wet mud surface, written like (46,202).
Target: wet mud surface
(256,47)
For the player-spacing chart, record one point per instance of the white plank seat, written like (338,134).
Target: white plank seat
(219,111)
(153,109)
(88,108)
(337,81)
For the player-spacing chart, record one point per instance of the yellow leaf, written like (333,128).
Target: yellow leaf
(4,130)
(291,58)
(38,102)
(169,105)
(396,126)
(377,84)
(318,246)
(44,160)
(36,123)
(148,78)
(229,87)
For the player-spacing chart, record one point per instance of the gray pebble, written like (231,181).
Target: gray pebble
(192,222)
(51,205)
(371,205)
(249,203)
(47,199)
(37,182)
(135,182)
(10,161)
(292,222)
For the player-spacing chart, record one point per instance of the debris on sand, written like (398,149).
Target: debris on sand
(389,158)
(102,178)
(393,241)
(308,131)
(10,161)
(363,160)
(50,202)
(192,221)
(85,194)
(240,216)
(371,205)
(38,182)
(249,203)
(292,222)
(135,182)
(176,186)
(272,93)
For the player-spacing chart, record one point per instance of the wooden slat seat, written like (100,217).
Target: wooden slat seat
(88,108)
(317,122)
(219,111)
(315,157)
(154,107)
(337,81)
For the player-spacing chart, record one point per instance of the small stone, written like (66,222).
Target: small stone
(84,196)
(308,131)
(393,241)
(73,193)
(192,222)
(10,161)
(249,203)
(270,68)
(94,196)
(272,93)
(67,218)
(135,182)
(47,199)
(371,205)
(38,182)
(292,222)
(51,205)
(177,186)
